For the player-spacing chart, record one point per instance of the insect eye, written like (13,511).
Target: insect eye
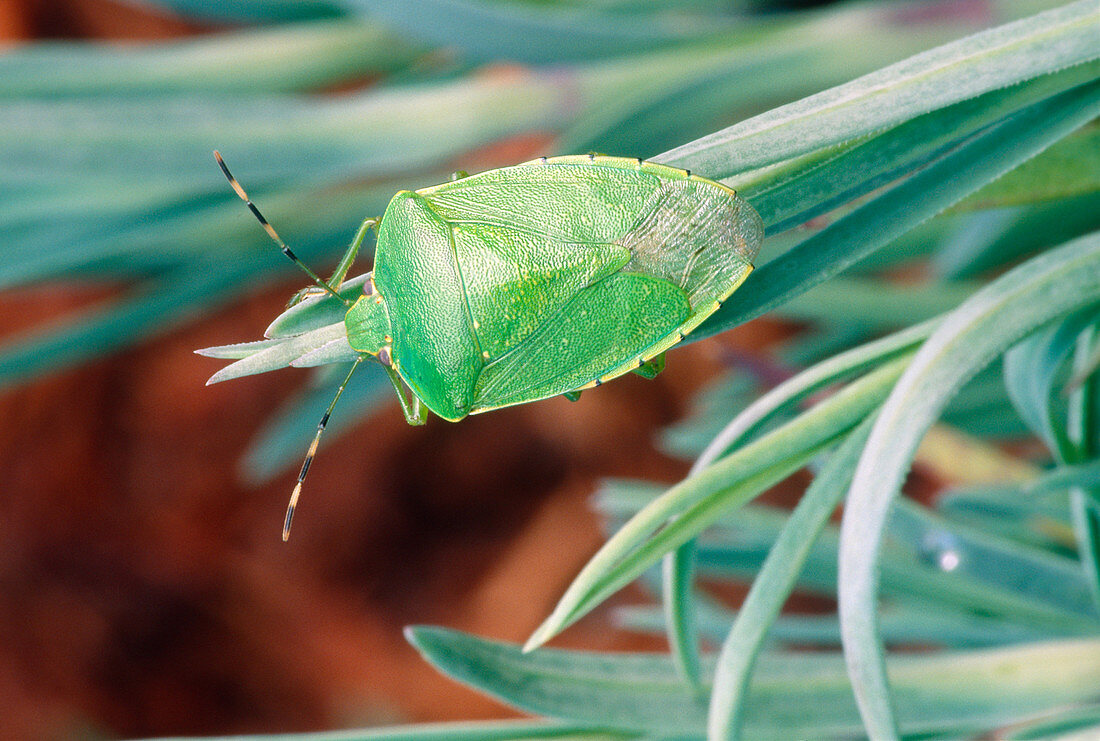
(385,355)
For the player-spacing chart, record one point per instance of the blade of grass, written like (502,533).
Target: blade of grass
(843,243)
(1033,374)
(677,565)
(995,575)
(1034,370)
(501,730)
(998,238)
(690,506)
(300,56)
(985,61)
(875,303)
(156,308)
(773,585)
(492,31)
(1042,289)
(1018,581)
(779,60)
(1069,168)
(902,625)
(810,185)
(801,695)
(1061,726)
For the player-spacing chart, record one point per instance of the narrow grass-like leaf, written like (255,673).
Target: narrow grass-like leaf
(1086,525)
(1084,475)
(988,240)
(1018,581)
(1063,726)
(677,565)
(237,350)
(902,625)
(1069,168)
(1082,425)
(988,155)
(315,312)
(982,408)
(803,695)
(690,506)
(677,578)
(295,57)
(875,304)
(928,559)
(814,184)
(977,64)
(837,368)
(485,31)
(773,585)
(155,309)
(1040,519)
(1044,288)
(501,730)
(1034,369)
(253,10)
(778,60)
(284,353)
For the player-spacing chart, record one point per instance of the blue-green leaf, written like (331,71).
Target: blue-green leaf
(1042,289)
(793,696)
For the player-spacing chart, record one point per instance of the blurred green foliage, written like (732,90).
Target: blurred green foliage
(869,140)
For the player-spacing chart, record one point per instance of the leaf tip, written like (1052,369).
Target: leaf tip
(412,634)
(542,634)
(217,377)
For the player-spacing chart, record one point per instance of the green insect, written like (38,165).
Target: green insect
(536,280)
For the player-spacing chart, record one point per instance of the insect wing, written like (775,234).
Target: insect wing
(605,324)
(516,281)
(697,235)
(569,202)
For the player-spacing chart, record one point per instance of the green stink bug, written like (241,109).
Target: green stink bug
(531,281)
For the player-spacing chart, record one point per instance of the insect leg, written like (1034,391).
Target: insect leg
(313,451)
(651,367)
(271,230)
(414,414)
(341,271)
(572,395)
(337,279)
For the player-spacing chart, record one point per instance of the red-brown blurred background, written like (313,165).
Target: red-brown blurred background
(145,591)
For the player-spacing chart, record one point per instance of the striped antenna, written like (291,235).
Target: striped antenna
(271,230)
(312,452)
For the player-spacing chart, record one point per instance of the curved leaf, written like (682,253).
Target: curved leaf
(296,57)
(773,585)
(798,695)
(1069,168)
(489,31)
(691,505)
(677,566)
(843,243)
(1034,369)
(992,59)
(1046,287)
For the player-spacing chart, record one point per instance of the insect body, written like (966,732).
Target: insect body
(548,277)
(541,279)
